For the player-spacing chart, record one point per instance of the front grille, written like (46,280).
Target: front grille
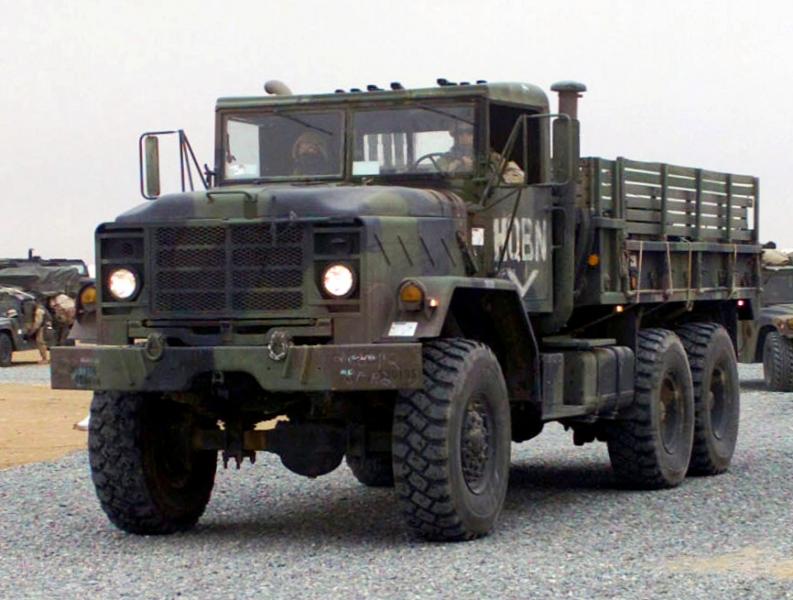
(228,269)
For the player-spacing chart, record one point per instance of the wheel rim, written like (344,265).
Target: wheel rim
(477,445)
(719,402)
(671,417)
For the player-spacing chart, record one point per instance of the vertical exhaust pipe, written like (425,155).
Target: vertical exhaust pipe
(277,88)
(569,93)
(566,154)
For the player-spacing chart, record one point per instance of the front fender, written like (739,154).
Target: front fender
(428,321)
(488,310)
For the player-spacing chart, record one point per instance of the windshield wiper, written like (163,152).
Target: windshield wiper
(444,113)
(304,124)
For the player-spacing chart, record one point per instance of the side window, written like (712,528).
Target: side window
(502,122)
(242,149)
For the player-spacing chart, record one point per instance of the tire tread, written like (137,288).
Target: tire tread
(420,454)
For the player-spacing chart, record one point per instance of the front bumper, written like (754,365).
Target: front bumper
(304,369)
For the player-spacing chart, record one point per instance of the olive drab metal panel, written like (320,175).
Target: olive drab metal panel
(515,231)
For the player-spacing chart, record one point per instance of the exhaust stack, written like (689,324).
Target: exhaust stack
(569,93)
(566,154)
(277,88)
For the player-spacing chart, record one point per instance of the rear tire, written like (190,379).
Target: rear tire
(714,371)
(778,362)
(6,349)
(374,470)
(451,443)
(147,476)
(650,446)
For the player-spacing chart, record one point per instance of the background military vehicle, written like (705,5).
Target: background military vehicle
(360,265)
(769,338)
(25,281)
(16,317)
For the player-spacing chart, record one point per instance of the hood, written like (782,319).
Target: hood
(298,201)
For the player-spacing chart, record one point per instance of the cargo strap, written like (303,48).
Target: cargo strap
(639,275)
(734,269)
(671,288)
(689,299)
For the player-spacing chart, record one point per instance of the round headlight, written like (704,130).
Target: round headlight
(122,284)
(338,280)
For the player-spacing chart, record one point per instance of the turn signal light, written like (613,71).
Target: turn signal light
(411,293)
(88,296)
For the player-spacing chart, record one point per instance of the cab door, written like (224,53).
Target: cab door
(513,237)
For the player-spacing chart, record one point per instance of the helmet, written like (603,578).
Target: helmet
(310,138)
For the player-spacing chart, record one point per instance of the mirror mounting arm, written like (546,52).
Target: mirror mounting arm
(520,130)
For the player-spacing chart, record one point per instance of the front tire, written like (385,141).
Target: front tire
(451,443)
(650,446)
(714,371)
(778,362)
(147,476)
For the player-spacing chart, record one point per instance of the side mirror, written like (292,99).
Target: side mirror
(149,163)
(152,153)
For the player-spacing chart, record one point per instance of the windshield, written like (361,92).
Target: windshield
(298,144)
(424,139)
(289,144)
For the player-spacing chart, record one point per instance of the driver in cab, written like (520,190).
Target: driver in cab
(460,157)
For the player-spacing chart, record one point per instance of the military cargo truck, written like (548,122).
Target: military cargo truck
(362,266)
(769,338)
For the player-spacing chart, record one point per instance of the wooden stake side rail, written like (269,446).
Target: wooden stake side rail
(666,202)
(666,233)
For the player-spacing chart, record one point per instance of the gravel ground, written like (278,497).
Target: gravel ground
(25,373)
(566,531)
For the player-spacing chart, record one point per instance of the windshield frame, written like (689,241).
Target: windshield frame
(348,110)
(291,113)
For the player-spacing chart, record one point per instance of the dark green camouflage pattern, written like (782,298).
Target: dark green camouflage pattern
(230,277)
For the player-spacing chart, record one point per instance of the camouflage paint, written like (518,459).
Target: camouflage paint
(439,232)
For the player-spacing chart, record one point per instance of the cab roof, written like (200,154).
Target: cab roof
(522,94)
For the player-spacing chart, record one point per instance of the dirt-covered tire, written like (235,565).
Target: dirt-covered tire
(147,476)
(717,404)
(374,470)
(451,443)
(778,362)
(6,349)
(650,444)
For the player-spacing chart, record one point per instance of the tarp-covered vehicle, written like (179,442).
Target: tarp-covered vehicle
(27,281)
(17,310)
(769,338)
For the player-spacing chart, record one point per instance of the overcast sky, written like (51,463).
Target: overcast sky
(704,84)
